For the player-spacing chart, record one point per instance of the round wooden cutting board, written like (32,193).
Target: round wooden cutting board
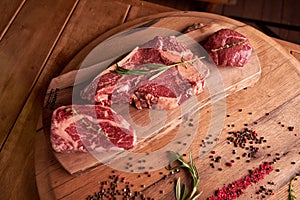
(78,174)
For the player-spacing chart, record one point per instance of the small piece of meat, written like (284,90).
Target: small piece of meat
(89,128)
(228,48)
(167,91)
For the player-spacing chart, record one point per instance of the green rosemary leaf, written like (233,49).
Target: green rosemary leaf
(193,168)
(193,172)
(191,161)
(137,72)
(178,190)
(118,71)
(177,156)
(291,189)
(123,71)
(156,66)
(197,196)
(184,192)
(157,75)
(74,111)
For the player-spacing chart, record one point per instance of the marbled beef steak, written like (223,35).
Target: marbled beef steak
(89,128)
(228,48)
(167,91)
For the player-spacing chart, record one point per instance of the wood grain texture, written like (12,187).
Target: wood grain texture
(8,12)
(17,166)
(252,10)
(23,55)
(290,16)
(92,18)
(271,13)
(20,67)
(276,93)
(144,9)
(236,10)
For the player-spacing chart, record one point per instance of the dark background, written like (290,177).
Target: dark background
(276,18)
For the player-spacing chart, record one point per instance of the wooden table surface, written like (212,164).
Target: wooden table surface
(37,41)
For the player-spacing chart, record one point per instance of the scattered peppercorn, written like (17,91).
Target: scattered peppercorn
(236,188)
(116,188)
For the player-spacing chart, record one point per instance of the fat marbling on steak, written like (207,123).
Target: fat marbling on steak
(228,48)
(167,91)
(89,128)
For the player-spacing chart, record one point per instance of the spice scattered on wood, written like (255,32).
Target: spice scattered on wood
(245,140)
(237,188)
(116,187)
(264,192)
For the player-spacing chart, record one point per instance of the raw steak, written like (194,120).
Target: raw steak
(89,127)
(167,91)
(228,48)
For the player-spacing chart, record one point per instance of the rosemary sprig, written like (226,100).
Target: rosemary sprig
(182,193)
(123,71)
(227,46)
(291,189)
(158,68)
